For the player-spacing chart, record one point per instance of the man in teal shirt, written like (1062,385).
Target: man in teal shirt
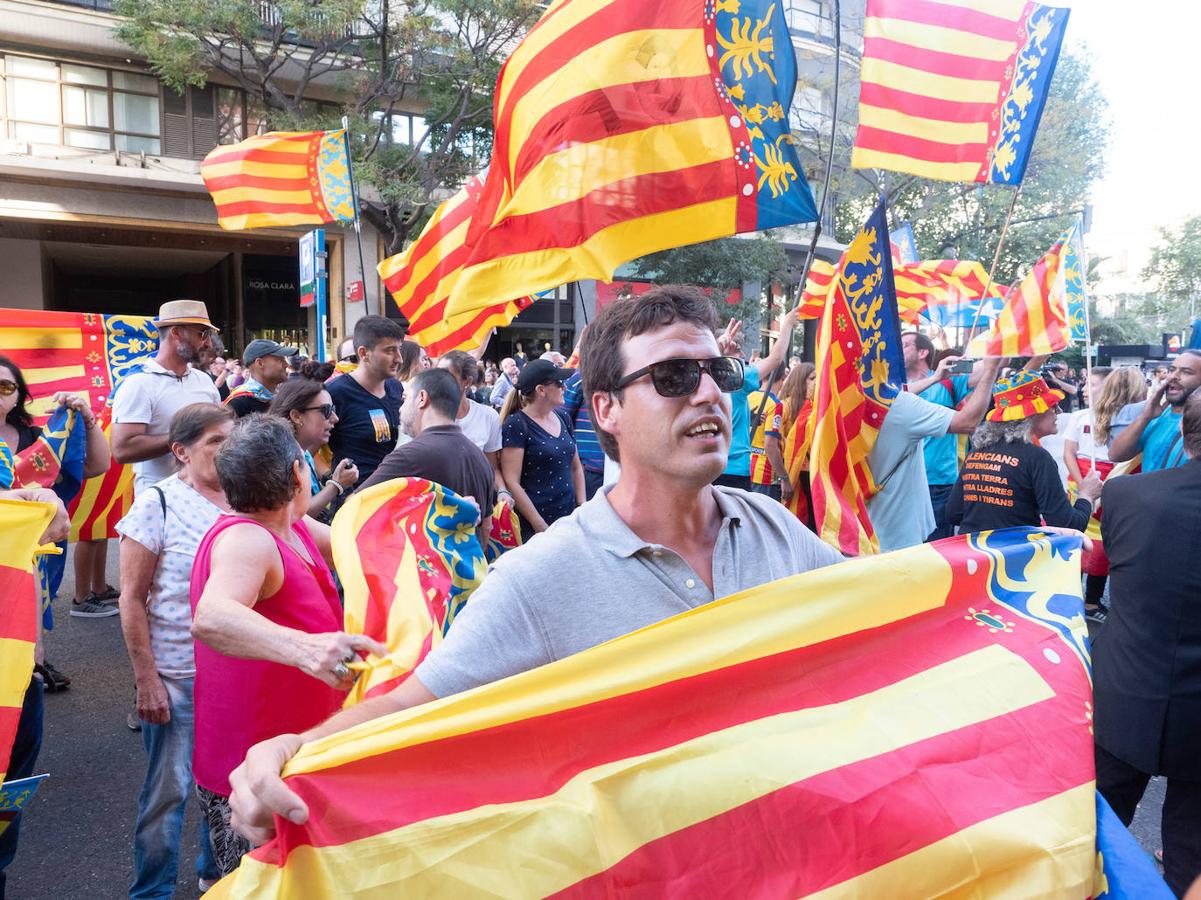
(1155,432)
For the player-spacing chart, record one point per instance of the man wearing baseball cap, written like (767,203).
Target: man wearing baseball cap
(266,365)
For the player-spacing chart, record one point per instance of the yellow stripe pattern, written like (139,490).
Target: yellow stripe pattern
(1033,321)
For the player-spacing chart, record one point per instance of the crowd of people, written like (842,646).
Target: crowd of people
(663,472)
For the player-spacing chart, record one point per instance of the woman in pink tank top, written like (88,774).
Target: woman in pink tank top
(270,651)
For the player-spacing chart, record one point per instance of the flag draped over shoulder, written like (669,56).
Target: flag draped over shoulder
(55,459)
(87,354)
(742,743)
(954,89)
(408,557)
(625,127)
(860,369)
(1033,320)
(281,178)
(22,524)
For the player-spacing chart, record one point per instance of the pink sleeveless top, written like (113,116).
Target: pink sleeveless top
(239,702)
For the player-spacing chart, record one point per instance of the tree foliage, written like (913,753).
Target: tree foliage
(438,59)
(1173,276)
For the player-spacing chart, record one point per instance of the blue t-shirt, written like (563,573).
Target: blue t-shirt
(942,453)
(1162,444)
(739,462)
(546,465)
(580,412)
(367,425)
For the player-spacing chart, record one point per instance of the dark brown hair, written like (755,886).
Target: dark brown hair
(18,415)
(190,423)
(294,394)
(602,360)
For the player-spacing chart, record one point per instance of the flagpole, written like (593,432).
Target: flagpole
(1088,337)
(358,228)
(993,268)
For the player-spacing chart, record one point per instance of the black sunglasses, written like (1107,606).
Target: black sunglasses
(327,409)
(681,377)
(354,357)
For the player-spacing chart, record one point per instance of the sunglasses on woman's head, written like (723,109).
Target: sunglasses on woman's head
(681,377)
(7,387)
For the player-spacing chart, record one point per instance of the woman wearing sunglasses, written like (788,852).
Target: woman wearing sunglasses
(538,456)
(308,407)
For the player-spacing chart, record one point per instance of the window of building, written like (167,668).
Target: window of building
(69,105)
(807,16)
(405,128)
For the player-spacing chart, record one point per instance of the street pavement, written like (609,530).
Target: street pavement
(77,836)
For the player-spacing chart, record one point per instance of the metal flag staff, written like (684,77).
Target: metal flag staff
(358,228)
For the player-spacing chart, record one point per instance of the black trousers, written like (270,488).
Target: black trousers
(1122,786)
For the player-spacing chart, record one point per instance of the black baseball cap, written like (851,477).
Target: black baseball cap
(540,371)
(261,347)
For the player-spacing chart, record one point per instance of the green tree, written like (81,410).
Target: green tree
(438,58)
(1173,275)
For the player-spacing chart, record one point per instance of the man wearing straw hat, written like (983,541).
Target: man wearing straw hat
(162,385)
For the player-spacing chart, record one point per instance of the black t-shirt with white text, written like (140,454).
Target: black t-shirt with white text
(1012,484)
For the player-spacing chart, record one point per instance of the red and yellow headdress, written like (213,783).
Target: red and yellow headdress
(1021,396)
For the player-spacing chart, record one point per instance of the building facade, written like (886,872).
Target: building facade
(102,208)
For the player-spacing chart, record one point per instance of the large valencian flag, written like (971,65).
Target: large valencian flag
(625,127)
(89,354)
(281,178)
(813,736)
(954,89)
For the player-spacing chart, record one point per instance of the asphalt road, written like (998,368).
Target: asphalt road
(77,835)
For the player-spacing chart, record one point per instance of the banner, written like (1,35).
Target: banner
(816,734)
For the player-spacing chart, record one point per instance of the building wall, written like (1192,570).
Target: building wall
(21,261)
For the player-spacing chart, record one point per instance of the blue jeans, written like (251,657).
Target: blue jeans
(168,784)
(26,744)
(939,495)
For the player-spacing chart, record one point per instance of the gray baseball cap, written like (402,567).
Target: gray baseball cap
(257,349)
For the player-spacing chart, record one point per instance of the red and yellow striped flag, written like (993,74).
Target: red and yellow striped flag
(954,89)
(408,557)
(421,278)
(281,178)
(625,127)
(948,283)
(818,285)
(860,370)
(1034,319)
(88,354)
(745,743)
(22,525)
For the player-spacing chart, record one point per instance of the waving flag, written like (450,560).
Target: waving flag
(14,795)
(281,178)
(946,291)
(22,525)
(860,369)
(421,278)
(87,354)
(1033,321)
(1071,284)
(954,89)
(625,127)
(817,289)
(747,744)
(408,557)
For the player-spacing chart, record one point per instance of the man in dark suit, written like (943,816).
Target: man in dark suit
(1147,658)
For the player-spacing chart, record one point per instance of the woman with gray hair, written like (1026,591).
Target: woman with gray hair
(1007,480)
(271,656)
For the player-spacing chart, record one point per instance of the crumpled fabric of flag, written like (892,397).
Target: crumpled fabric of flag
(281,178)
(88,354)
(816,736)
(860,371)
(625,127)
(954,89)
(22,524)
(408,557)
(1034,319)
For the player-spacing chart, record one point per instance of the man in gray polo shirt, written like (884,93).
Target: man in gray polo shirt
(659,542)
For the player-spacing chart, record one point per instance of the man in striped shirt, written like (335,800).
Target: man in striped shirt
(589,448)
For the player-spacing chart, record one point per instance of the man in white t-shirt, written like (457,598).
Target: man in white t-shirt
(147,399)
(901,512)
(478,422)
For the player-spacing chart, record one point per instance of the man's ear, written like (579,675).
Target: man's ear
(606,411)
